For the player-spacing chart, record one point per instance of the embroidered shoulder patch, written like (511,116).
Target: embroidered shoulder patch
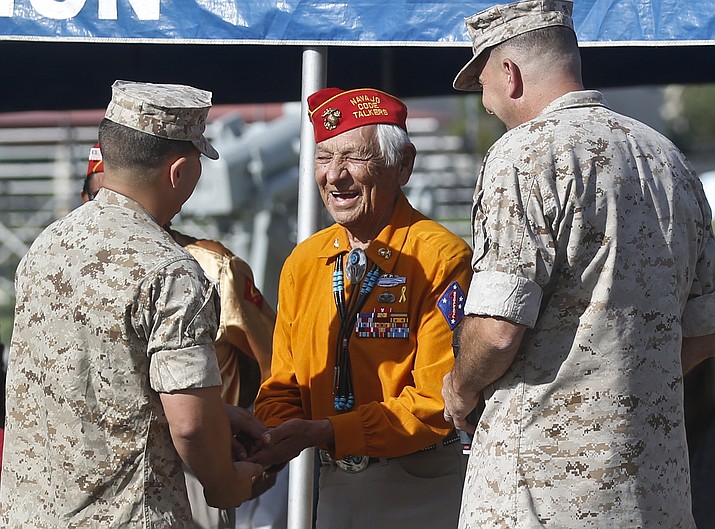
(451,304)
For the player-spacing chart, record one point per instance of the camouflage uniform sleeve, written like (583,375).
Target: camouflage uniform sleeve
(699,315)
(512,261)
(178,313)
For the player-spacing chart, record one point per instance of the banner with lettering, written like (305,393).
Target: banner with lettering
(364,22)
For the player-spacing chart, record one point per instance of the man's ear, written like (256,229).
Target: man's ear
(175,171)
(513,78)
(406,163)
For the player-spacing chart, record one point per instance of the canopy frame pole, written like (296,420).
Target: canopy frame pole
(309,203)
(302,469)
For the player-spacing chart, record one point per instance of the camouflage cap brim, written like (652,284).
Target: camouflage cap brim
(500,23)
(205,147)
(174,112)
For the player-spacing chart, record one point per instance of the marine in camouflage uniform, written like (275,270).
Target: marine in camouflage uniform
(243,340)
(592,241)
(115,322)
(101,336)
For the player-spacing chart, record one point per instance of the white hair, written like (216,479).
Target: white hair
(392,140)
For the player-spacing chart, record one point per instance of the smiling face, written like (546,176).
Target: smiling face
(357,189)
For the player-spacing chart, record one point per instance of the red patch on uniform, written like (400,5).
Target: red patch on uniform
(252,294)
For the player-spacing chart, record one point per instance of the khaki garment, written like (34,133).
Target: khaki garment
(110,312)
(243,343)
(591,229)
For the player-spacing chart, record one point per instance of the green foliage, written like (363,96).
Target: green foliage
(693,128)
(479,129)
(6,318)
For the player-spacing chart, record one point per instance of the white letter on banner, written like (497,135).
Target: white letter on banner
(144,9)
(58,10)
(7,7)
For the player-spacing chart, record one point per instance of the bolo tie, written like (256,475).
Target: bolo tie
(355,269)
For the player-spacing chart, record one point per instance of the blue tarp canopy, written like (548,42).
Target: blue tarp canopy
(356,22)
(249,50)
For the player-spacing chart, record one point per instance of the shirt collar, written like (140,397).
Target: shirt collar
(387,246)
(112,198)
(581,98)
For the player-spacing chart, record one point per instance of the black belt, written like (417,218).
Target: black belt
(355,464)
(452,437)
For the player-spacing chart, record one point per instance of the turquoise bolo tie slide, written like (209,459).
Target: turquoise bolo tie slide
(356,266)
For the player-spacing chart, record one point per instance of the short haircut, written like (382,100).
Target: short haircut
(392,140)
(546,42)
(126,148)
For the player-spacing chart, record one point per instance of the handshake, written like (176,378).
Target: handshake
(248,434)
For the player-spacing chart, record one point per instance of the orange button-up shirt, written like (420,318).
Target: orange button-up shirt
(397,381)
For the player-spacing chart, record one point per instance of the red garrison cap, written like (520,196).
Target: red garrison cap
(96,165)
(334,111)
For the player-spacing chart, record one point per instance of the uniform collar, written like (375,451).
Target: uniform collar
(581,98)
(112,198)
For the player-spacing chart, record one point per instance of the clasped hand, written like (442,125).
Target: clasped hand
(248,438)
(286,441)
(457,406)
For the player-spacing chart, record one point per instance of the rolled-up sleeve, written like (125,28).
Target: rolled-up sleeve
(514,298)
(180,316)
(513,253)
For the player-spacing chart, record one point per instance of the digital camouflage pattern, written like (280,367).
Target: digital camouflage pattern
(591,229)
(174,112)
(110,311)
(503,22)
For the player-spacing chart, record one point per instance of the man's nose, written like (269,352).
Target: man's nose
(335,169)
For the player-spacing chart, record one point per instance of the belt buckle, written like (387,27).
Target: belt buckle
(353,464)
(349,464)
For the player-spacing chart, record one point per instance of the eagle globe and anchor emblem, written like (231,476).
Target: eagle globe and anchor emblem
(331,118)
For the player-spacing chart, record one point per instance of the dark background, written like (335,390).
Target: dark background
(62,75)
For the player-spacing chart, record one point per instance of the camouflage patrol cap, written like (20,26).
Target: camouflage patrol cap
(503,22)
(171,111)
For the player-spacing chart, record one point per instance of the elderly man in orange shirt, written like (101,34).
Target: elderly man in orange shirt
(363,332)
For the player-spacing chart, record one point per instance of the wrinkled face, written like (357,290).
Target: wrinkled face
(357,189)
